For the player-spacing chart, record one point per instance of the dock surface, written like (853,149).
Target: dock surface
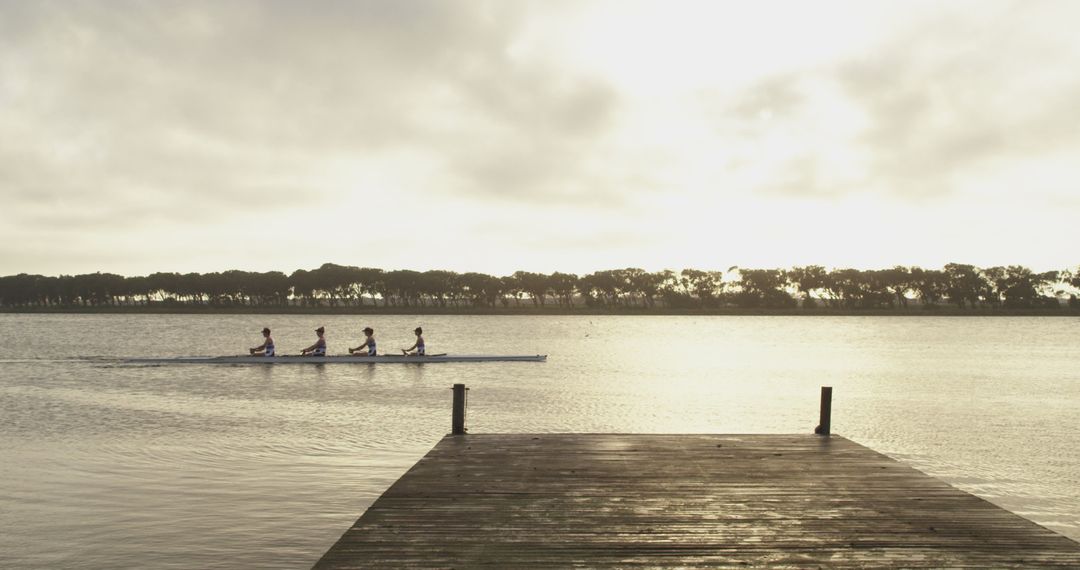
(620,500)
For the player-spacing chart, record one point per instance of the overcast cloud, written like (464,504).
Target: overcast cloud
(573,136)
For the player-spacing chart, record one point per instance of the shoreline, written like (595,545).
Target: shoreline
(921,311)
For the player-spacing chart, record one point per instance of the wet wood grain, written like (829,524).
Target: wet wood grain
(618,500)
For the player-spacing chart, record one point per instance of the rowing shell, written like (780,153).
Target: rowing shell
(388,359)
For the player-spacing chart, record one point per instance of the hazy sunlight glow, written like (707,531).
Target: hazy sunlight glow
(537,136)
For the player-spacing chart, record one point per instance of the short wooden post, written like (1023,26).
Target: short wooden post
(825,421)
(458,422)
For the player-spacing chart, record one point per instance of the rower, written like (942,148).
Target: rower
(369,343)
(319,348)
(266,348)
(418,345)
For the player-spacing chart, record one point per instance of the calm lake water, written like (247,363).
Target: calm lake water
(112,465)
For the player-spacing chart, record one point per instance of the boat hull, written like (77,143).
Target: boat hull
(389,359)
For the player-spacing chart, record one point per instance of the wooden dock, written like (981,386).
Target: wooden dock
(599,500)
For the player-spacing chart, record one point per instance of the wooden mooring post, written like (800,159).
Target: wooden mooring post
(824,426)
(457,425)
(458,419)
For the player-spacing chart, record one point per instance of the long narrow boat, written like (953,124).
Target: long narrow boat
(393,358)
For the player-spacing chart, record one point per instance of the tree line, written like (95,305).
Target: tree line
(331,285)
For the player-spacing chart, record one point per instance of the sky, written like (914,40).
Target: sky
(557,135)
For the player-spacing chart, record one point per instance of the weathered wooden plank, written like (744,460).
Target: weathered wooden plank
(617,500)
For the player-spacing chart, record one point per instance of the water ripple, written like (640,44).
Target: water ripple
(222,467)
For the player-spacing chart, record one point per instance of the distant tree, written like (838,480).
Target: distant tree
(706,286)
(137,289)
(845,287)
(674,292)
(66,293)
(483,290)
(368,281)
(402,286)
(644,284)
(763,288)
(996,282)
(897,282)
(807,280)
(270,288)
(332,284)
(879,288)
(1025,288)
(537,285)
(164,285)
(1070,278)
(438,285)
(564,285)
(303,286)
(604,287)
(964,283)
(512,288)
(929,284)
(20,290)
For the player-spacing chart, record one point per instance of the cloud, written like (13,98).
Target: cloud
(964,100)
(201,124)
(197,106)
(947,98)
(528,133)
